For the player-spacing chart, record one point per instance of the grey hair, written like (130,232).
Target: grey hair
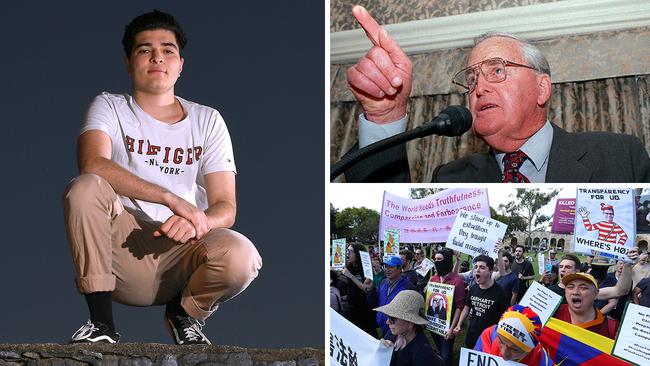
(530,53)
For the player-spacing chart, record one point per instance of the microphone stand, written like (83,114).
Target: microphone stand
(353,158)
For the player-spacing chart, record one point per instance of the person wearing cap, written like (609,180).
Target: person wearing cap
(581,290)
(585,266)
(599,268)
(393,284)
(485,301)
(515,337)
(405,317)
(608,230)
(406,255)
(443,261)
(552,257)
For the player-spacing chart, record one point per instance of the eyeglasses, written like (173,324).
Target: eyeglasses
(493,70)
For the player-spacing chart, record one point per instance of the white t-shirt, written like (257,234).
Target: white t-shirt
(174,156)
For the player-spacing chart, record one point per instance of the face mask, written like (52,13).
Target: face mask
(443,267)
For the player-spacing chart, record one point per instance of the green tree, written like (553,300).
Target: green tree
(335,232)
(423,192)
(514,221)
(527,204)
(358,224)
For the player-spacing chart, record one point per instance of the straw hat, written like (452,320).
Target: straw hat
(407,305)
(602,261)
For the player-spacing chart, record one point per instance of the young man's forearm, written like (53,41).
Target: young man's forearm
(126,183)
(221,215)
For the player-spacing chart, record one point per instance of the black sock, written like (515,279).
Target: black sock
(174,306)
(100,306)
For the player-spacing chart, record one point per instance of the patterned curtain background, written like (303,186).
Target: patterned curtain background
(619,105)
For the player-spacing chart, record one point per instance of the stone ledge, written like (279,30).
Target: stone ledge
(153,354)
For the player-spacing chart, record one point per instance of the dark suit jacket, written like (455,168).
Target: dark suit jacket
(598,157)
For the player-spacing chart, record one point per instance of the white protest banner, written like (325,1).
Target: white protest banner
(542,300)
(469,357)
(425,267)
(338,254)
(429,219)
(633,339)
(367,265)
(391,242)
(540,263)
(440,300)
(475,234)
(350,345)
(605,222)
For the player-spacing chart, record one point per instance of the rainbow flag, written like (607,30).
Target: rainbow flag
(570,345)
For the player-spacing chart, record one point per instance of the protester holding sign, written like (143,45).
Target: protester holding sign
(442,261)
(484,303)
(357,310)
(599,268)
(508,281)
(515,337)
(580,291)
(523,269)
(404,316)
(388,289)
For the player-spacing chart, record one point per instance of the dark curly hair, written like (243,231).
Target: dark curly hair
(150,21)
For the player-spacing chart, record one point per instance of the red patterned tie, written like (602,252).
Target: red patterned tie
(511,164)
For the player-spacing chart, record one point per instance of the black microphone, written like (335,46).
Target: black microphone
(452,121)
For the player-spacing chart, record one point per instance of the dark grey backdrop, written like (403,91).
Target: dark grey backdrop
(260,63)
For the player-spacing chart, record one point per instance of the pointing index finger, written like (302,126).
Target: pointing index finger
(368,23)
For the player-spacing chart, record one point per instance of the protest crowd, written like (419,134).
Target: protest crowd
(485,315)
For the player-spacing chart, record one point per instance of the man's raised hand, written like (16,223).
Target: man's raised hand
(381,80)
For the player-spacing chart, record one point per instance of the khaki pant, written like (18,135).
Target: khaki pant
(114,251)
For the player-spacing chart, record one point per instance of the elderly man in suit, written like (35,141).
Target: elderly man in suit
(509,86)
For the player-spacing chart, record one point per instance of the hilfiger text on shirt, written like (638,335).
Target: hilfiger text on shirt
(170,155)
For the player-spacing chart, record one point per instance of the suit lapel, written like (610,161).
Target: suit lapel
(486,169)
(564,159)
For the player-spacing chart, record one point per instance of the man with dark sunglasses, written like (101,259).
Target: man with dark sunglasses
(508,82)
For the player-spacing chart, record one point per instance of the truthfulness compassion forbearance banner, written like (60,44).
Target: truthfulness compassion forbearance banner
(430,219)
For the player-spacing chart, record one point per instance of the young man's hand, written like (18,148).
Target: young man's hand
(176,228)
(189,212)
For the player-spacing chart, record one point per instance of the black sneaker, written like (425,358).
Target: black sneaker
(185,329)
(94,333)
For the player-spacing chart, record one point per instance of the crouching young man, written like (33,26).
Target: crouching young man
(148,218)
